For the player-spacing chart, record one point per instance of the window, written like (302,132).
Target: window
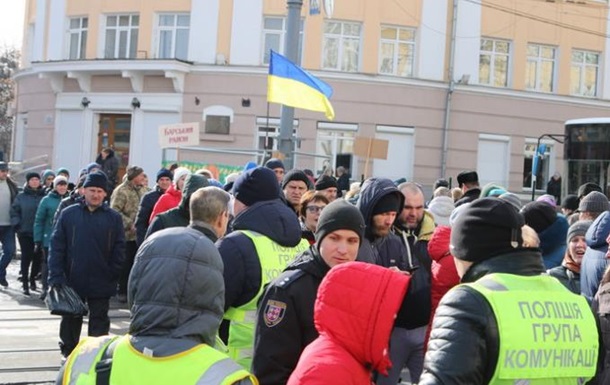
(493,159)
(341,46)
(540,68)
(173,36)
(397,50)
(216,124)
(334,140)
(543,174)
(268,133)
(583,73)
(493,62)
(78,38)
(121,36)
(274,33)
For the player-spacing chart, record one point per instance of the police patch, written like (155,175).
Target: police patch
(274,313)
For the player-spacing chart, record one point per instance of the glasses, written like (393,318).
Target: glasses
(315,209)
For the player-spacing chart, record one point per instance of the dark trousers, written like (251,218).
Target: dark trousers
(131,248)
(70,327)
(28,258)
(7,238)
(44,270)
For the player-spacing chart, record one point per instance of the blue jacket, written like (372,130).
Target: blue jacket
(23,210)
(553,242)
(87,250)
(43,224)
(242,268)
(594,262)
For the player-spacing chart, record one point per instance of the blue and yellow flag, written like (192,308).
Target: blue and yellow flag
(292,86)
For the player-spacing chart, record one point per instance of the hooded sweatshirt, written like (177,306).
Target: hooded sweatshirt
(354,314)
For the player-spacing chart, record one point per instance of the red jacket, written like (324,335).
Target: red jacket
(444,274)
(168,201)
(354,314)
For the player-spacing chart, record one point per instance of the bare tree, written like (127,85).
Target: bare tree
(9,61)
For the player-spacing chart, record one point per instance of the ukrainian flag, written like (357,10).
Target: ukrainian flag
(292,86)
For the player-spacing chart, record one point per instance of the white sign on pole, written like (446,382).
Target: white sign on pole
(179,135)
(329,7)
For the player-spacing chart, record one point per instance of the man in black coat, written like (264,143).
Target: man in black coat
(164,180)
(285,324)
(468,181)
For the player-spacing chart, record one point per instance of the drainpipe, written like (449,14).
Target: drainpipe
(449,90)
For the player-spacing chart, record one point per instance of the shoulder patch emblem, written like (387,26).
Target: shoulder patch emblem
(274,312)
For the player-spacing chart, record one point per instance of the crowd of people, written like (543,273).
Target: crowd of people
(277,277)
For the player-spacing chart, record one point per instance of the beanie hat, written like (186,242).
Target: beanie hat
(81,181)
(387,203)
(133,172)
(295,174)
(539,215)
(63,170)
(339,215)
(594,202)
(578,228)
(91,166)
(59,180)
(31,175)
(547,198)
(441,207)
(457,212)
(96,179)
(250,166)
(164,173)
(586,188)
(325,182)
(274,163)
(256,185)
(486,228)
(440,183)
(179,173)
(47,173)
(513,199)
(570,202)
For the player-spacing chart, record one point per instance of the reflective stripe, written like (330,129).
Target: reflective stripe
(220,370)
(85,356)
(492,285)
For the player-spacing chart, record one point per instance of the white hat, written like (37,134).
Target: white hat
(441,207)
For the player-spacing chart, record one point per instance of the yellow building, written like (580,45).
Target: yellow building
(449,92)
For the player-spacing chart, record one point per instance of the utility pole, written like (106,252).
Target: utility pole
(291,47)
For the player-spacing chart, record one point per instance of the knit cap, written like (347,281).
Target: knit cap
(91,166)
(486,228)
(96,179)
(63,170)
(325,182)
(588,187)
(256,185)
(578,228)
(387,203)
(47,173)
(179,173)
(59,180)
(339,215)
(31,175)
(274,163)
(164,173)
(441,207)
(295,174)
(456,213)
(539,215)
(513,199)
(570,202)
(594,202)
(547,198)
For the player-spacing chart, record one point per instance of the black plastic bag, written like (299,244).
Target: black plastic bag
(63,300)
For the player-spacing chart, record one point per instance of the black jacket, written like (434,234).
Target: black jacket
(179,216)
(23,210)
(278,345)
(464,345)
(146,207)
(66,202)
(469,196)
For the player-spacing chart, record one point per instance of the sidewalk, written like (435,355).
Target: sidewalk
(29,353)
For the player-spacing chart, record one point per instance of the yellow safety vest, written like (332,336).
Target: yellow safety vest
(273,258)
(201,365)
(547,335)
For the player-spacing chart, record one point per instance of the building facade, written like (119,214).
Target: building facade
(451,86)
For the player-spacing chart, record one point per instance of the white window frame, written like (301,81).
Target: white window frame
(582,66)
(269,130)
(396,43)
(538,61)
(82,33)
(174,34)
(493,55)
(328,131)
(282,38)
(504,177)
(129,29)
(529,151)
(341,40)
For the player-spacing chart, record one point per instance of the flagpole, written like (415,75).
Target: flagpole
(291,47)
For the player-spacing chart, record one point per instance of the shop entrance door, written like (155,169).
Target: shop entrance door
(114,132)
